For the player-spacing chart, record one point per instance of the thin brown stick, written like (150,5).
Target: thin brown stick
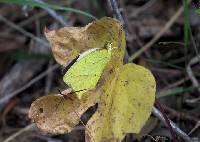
(16,27)
(178,131)
(116,12)
(27,21)
(159,106)
(180,115)
(177,83)
(118,15)
(49,78)
(189,70)
(53,13)
(158,35)
(18,133)
(16,92)
(195,128)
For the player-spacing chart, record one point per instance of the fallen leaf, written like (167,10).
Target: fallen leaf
(124,106)
(68,42)
(60,113)
(57,115)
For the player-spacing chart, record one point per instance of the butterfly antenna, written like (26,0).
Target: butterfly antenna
(60,92)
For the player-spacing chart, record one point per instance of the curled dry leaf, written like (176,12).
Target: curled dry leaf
(58,114)
(124,106)
(68,42)
(53,113)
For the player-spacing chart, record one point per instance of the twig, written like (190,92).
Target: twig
(13,136)
(177,83)
(27,21)
(32,127)
(158,105)
(191,101)
(178,131)
(48,139)
(34,80)
(194,45)
(116,12)
(190,72)
(115,9)
(158,35)
(167,26)
(180,115)
(16,27)
(49,78)
(53,13)
(195,127)
(142,8)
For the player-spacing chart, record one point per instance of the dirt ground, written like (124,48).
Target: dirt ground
(155,27)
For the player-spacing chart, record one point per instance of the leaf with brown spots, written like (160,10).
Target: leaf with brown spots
(68,42)
(124,106)
(53,113)
(58,114)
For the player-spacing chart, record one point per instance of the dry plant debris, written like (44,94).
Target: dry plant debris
(125,93)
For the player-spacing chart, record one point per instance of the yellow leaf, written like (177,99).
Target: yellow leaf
(58,114)
(124,93)
(68,42)
(125,104)
(86,71)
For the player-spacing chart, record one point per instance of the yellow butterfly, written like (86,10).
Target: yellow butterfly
(86,71)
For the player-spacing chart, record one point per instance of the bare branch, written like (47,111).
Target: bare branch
(155,111)
(178,131)
(13,25)
(34,80)
(117,14)
(54,14)
(18,133)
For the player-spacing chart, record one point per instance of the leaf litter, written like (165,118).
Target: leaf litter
(125,93)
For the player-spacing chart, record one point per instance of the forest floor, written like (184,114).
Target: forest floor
(157,39)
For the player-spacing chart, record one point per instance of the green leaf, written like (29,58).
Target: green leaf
(45,5)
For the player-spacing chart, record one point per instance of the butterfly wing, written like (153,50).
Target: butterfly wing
(86,71)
